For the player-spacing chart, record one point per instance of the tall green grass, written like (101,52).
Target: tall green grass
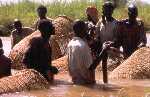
(26,11)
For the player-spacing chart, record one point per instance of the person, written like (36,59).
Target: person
(19,32)
(5,63)
(79,56)
(41,11)
(131,34)
(38,55)
(106,30)
(107,26)
(92,14)
(92,19)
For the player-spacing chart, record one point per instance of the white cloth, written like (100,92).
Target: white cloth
(106,32)
(79,59)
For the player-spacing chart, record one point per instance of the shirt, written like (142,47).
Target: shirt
(131,35)
(106,32)
(79,59)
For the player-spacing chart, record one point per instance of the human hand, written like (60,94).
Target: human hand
(141,45)
(107,44)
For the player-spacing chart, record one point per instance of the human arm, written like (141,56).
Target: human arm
(142,35)
(105,47)
(13,39)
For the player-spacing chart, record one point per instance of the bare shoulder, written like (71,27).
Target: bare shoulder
(36,41)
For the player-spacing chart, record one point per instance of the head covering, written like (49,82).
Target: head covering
(92,12)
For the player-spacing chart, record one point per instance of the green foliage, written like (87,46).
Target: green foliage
(26,11)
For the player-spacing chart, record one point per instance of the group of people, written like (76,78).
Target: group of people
(91,42)
(95,39)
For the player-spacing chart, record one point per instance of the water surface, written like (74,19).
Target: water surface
(63,86)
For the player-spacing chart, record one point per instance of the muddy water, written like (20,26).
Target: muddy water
(63,87)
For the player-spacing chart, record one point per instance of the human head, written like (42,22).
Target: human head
(132,12)
(92,14)
(108,9)
(80,28)
(17,24)
(42,10)
(46,28)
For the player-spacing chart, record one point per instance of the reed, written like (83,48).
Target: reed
(26,11)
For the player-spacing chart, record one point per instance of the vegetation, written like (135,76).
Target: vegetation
(26,12)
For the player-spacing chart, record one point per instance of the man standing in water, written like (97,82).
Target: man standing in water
(131,34)
(20,32)
(79,56)
(38,55)
(105,31)
(5,63)
(41,11)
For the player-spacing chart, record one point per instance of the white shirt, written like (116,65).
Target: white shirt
(79,59)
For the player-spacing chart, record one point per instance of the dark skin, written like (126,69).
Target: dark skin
(38,56)
(81,32)
(106,16)
(41,13)
(5,63)
(132,14)
(18,26)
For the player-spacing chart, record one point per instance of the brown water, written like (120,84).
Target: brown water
(64,88)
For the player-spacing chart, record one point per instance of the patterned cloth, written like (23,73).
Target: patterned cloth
(16,36)
(79,59)
(130,36)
